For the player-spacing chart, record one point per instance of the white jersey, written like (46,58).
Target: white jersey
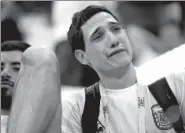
(4,120)
(123,109)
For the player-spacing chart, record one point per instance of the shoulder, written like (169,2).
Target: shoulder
(76,100)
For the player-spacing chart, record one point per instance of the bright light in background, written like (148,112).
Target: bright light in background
(37,32)
(163,65)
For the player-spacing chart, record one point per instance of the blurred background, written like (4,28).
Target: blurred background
(153,28)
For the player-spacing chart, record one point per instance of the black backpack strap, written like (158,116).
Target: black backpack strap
(168,102)
(91,109)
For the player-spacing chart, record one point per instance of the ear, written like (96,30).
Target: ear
(81,57)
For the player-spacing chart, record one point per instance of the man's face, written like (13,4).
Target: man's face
(107,46)
(10,66)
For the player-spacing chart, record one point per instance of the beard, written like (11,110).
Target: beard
(6,100)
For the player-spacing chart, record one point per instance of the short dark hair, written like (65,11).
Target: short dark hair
(75,35)
(14,45)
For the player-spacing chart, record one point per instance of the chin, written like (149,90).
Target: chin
(125,61)
(7,89)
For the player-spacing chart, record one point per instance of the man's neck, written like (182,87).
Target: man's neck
(125,80)
(5,112)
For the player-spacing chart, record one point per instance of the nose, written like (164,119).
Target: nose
(6,74)
(114,44)
(113,40)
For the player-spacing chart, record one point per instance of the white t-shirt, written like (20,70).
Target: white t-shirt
(4,120)
(123,109)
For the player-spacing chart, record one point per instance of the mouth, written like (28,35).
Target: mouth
(7,83)
(7,88)
(116,51)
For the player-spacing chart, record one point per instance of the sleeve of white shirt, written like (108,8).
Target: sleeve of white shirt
(177,84)
(71,118)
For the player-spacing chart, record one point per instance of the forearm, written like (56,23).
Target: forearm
(37,94)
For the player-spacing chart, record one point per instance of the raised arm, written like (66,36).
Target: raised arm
(36,104)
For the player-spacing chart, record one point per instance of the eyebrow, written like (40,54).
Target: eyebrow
(113,23)
(97,29)
(15,63)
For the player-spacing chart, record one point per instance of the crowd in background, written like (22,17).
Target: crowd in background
(153,28)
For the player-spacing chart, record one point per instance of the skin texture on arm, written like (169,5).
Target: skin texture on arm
(36,104)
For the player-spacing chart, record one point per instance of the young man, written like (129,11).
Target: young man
(11,56)
(126,105)
(38,91)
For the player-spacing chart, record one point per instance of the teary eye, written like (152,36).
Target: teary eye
(116,29)
(98,36)
(16,66)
